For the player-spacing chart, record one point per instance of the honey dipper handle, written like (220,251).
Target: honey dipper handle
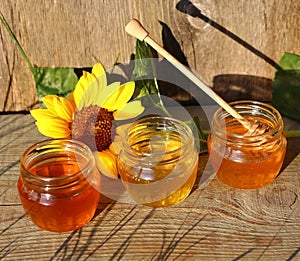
(135,29)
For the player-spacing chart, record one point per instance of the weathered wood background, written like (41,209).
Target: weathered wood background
(232,44)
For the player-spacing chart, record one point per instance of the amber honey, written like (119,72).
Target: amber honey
(244,161)
(158,163)
(58,186)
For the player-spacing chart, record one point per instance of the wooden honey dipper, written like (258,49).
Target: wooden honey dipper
(135,28)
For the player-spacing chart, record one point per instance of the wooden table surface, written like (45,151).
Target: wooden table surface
(214,223)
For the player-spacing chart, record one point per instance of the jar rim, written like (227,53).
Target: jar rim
(158,119)
(42,146)
(258,109)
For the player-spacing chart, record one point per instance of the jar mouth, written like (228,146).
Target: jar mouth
(250,110)
(158,129)
(41,153)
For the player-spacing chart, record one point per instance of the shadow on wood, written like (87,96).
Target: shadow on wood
(189,8)
(171,44)
(293,147)
(233,87)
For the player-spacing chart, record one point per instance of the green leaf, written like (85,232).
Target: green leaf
(144,73)
(59,81)
(289,61)
(286,93)
(286,86)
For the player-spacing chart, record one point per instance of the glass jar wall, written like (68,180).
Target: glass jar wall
(158,162)
(242,159)
(59,184)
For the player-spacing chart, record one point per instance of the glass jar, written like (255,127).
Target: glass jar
(244,160)
(158,162)
(59,184)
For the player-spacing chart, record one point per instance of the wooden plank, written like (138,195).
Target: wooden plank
(214,223)
(232,45)
(135,233)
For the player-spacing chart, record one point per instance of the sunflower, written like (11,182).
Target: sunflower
(89,115)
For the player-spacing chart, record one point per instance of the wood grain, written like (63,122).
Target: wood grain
(232,45)
(214,223)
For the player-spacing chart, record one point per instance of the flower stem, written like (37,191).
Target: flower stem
(164,109)
(13,37)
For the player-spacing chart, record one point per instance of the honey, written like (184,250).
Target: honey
(158,163)
(242,160)
(59,185)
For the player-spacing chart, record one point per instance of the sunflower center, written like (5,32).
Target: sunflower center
(94,126)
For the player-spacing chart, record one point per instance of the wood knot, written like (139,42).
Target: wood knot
(281,196)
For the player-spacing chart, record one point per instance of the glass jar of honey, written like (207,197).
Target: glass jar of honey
(158,163)
(59,184)
(244,159)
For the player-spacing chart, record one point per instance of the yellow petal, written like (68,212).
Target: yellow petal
(119,97)
(122,128)
(91,90)
(48,101)
(98,70)
(79,90)
(72,100)
(50,125)
(90,86)
(129,111)
(106,93)
(106,163)
(116,146)
(41,114)
(67,109)
(86,90)
(99,73)
(56,128)
(60,106)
